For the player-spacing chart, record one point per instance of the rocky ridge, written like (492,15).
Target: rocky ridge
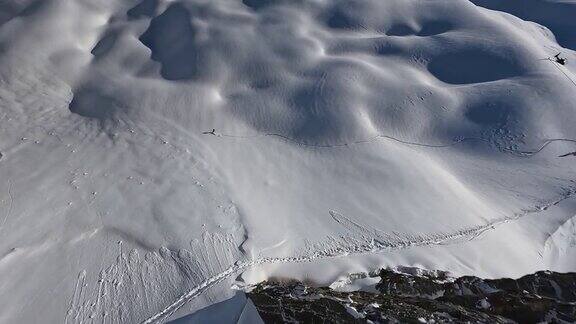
(423,297)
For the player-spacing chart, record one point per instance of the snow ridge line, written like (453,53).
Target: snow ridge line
(455,142)
(375,246)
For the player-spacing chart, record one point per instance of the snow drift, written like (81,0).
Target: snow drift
(348,135)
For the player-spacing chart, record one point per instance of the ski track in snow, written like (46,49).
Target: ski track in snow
(144,279)
(557,66)
(149,279)
(379,243)
(184,275)
(136,284)
(372,139)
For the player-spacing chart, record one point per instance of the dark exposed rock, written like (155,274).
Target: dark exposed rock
(396,283)
(430,297)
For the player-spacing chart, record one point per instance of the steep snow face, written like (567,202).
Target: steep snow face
(153,151)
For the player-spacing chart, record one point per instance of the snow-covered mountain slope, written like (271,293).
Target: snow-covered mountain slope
(348,135)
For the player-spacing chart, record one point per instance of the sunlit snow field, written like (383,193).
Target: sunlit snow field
(156,153)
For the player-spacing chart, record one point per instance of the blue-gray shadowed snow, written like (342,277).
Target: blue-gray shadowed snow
(93,102)
(171,38)
(145,8)
(105,44)
(8,11)
(556,15)
(13,9)
(473,66)
(263,4)
(495,114)
(430,28)
(154,153)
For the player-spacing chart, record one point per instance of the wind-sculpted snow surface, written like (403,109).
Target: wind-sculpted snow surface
(216,258)
(223,140)
(150,279)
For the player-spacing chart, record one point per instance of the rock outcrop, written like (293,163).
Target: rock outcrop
(430,297)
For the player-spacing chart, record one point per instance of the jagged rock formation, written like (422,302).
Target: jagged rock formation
(429,298)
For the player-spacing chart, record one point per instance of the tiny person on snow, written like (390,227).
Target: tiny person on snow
(560,60)
(212,132)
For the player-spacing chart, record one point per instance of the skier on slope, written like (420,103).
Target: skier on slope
(212,132)
(560,60)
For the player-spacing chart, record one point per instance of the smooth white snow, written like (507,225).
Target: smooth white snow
(348,135)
